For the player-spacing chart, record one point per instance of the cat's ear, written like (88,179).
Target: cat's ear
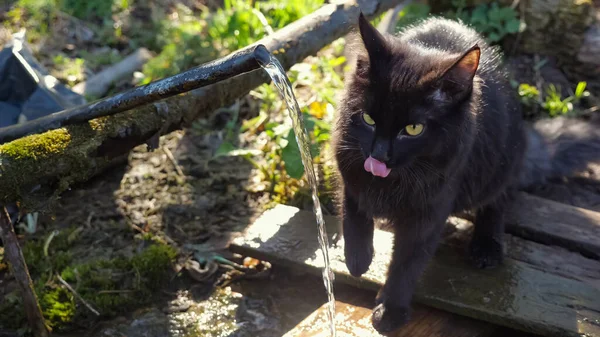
(373,40)
(458,78)
(362,67)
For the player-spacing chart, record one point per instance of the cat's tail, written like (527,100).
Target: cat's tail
(559,147)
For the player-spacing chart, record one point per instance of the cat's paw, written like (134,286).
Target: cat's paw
(486,253)
(358,258)
(387,318)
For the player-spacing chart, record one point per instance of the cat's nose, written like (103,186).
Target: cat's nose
(380,150)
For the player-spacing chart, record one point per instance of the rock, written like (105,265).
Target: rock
(152,323)
(589,53)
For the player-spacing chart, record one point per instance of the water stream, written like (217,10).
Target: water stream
(281,81)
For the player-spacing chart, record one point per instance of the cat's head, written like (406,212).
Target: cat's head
(404,100)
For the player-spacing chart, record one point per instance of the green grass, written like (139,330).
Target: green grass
(189,41)
(551,101)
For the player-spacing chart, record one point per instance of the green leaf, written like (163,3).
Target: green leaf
(494,37)
(507,13)
(226,149)
(324,126)
(254,122)
(494,13)
(271,125)
(513,26)
(291,157)
(580,89)
(223,149)
(323,137)
(337,61)
(479,15)
(309,122)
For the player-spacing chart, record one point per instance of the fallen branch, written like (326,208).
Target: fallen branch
(18,268)
(99,84)
(173,161)
(68,286)
(34,168)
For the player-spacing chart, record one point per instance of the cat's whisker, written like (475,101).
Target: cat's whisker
(429,168)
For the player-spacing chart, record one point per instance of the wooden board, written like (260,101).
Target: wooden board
(354,321)
(551,222)
(524,294)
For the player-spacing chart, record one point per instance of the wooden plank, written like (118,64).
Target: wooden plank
(553,259)
(550,222)
(355,321)
(519,295)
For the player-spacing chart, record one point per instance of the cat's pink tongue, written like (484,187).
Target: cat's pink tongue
(376,167)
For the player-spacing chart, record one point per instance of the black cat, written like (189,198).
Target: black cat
(429,126)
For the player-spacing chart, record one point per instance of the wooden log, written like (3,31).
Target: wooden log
(37,167)
(519,295)
(354,321)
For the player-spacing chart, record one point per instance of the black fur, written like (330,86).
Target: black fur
(470,155)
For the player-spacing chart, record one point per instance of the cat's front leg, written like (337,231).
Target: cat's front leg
(414,246)
(486,249)
(358,237)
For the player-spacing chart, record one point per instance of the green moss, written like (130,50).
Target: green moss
(112,286)
(57,303)
(58,306)
(58,257)
(58,158)
(37,146)
(120,284)
(153,265)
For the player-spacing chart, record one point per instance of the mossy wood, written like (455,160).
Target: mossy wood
(36,167)
(355,321)
(540,289)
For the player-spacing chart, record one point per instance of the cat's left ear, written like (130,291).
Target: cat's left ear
(458,78)
(373,40)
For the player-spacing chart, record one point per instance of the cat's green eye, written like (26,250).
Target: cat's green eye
(414,129)
(368,119)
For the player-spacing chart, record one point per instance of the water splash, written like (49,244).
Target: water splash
(277,73)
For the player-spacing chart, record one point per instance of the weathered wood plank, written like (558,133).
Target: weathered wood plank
(551,222)
(354,321)
(518,295)
(552,259)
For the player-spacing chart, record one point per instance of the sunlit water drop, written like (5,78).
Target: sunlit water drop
(277,73)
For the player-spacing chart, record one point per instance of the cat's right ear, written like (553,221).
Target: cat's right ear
(457,80)
(373,40)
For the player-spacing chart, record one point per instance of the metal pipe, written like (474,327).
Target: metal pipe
(218,70)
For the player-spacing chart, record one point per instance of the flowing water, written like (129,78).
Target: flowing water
(277,73)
